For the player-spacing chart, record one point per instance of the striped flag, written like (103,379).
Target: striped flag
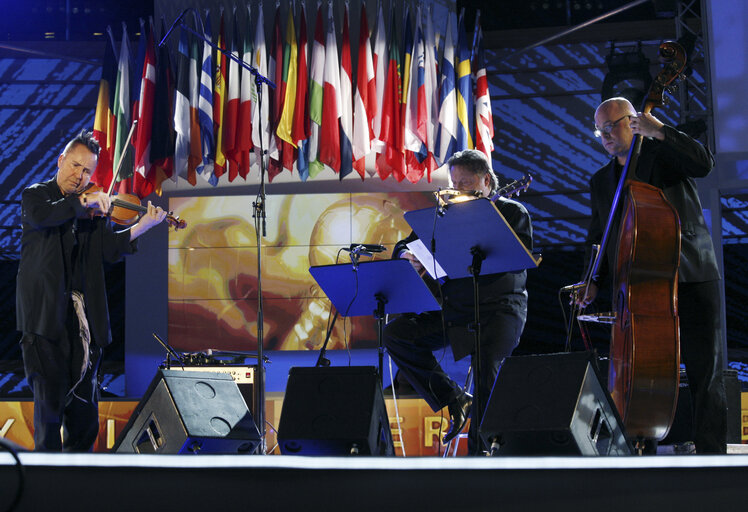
(205,108)
(231,110)
(329,151)
(122,107)
(196,147)
(219,97)
(380,61)
(275,73)
(346,95)
(446,136)
(392,160)
(483,116)
(365,102)
(245,121)
(316,95)
(163,136)
(182,108)
(103,129)
(300,131)
(431,93)
(144,129)
(464,97)
(289,78)
(260,113)
(414,126)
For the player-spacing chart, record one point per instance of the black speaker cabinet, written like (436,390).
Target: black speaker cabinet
(552,404)
(190,412)
(334,411)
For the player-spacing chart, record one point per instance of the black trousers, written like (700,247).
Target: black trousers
(699,311)
(412,339)
(53,368)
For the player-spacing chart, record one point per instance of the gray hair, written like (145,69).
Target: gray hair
(477,163)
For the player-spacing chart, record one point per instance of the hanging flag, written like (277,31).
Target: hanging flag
(447,133)
(316,95)
(162,133)
(275,73)
(182,108)
(289,78)
(431,93)
(346,95)
(329,151)
(260,111)
(219,98)
(205,108)
(414,124)
(365,102)
(121,157)
(103,129)
(483,116)
(231,113)
(196,146)
(392,161)
(244,142)
(380,60)
(300,130)
(464,97)
(144,130)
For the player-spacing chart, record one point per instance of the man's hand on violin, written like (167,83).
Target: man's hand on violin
(98,201)
(154,215)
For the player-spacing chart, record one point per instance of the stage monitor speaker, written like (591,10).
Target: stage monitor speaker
(190,412)
(334,411)
(552,405)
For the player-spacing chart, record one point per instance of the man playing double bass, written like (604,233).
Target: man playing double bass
(670,160)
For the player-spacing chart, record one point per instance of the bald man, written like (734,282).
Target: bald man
(670,160)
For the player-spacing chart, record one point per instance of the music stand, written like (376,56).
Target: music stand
(477,238)
(375,287)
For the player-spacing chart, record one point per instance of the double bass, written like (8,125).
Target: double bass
(644,362)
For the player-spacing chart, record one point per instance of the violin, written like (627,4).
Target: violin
(126,209)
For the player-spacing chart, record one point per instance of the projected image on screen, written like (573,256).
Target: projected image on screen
(213,285)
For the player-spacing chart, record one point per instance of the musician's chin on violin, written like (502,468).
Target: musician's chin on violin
(61,304)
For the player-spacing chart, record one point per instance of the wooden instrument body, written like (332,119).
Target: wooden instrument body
(645,342)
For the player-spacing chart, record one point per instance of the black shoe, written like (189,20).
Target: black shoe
(459,410)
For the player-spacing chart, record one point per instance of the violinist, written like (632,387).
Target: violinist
(61,307)
(670,160)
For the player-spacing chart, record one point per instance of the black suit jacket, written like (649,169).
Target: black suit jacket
(43,284)
(505,291)
(670,165)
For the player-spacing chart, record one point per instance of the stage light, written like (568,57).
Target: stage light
(628,76)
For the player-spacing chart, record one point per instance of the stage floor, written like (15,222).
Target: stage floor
(116,482)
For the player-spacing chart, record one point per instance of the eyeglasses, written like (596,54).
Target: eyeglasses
(609,127)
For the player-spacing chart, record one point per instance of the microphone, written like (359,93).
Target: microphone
(176,22)
(365,248)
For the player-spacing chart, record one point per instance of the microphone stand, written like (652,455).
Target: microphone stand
(258,207)
(258,215)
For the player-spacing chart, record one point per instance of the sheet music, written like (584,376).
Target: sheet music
(427,260)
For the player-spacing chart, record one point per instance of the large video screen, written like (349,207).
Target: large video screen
(213,267)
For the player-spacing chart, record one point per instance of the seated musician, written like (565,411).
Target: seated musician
(411,339)
(670,160)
